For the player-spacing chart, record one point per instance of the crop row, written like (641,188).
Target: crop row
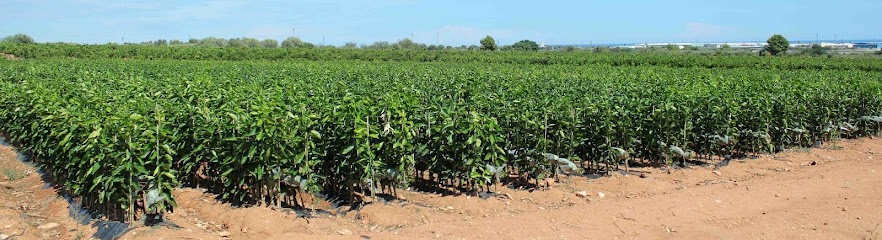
(578,58)
(260,132)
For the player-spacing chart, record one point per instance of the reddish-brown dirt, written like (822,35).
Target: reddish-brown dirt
(28,210)
(782,196)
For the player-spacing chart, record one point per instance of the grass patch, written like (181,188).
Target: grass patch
(12,174)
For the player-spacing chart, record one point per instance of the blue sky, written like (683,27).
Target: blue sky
(455,22)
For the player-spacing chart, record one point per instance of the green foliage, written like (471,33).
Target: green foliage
(525,45)
(379,45)
(12,174)
(159,42)
(777,45)
(256,131)
(488,43)
(408,44)
(816,50)
(269,43)
(350,45)
(382,51)
(18,38)
(213,42)
(295,42)
(243,43)
(672,47)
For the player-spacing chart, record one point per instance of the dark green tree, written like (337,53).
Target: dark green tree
(525,45)
(251,42)
(379,45)
(488,43)
(213,41)
(269,43)
(777,45)
(816,50)
(295,42)
(406,44)
(19,38)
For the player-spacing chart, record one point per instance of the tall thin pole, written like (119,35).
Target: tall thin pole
(293,32)
(411,37)
(323,40)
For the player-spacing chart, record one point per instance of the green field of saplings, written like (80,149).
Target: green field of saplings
(266,130)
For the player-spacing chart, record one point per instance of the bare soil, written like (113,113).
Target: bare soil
(29,208)
(833,192)
(10,57)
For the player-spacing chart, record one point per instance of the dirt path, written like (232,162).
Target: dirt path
(29,208)
(783,196)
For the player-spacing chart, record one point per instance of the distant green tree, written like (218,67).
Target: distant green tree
(525,45)
(269,43)
(406,44)
(350,45)
(176,42)
(672,47)
(235,42)
(488,43)
(379,45)
(295,42)
(777,45)
(601,49)
(724,49)
(251,42)
(213,42)
(19,38)
(816,50)
(193,41)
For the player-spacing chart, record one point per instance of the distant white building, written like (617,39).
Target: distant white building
(837,45)
(661,45)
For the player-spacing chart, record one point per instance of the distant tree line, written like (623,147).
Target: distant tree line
(777,45)
(487,43)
